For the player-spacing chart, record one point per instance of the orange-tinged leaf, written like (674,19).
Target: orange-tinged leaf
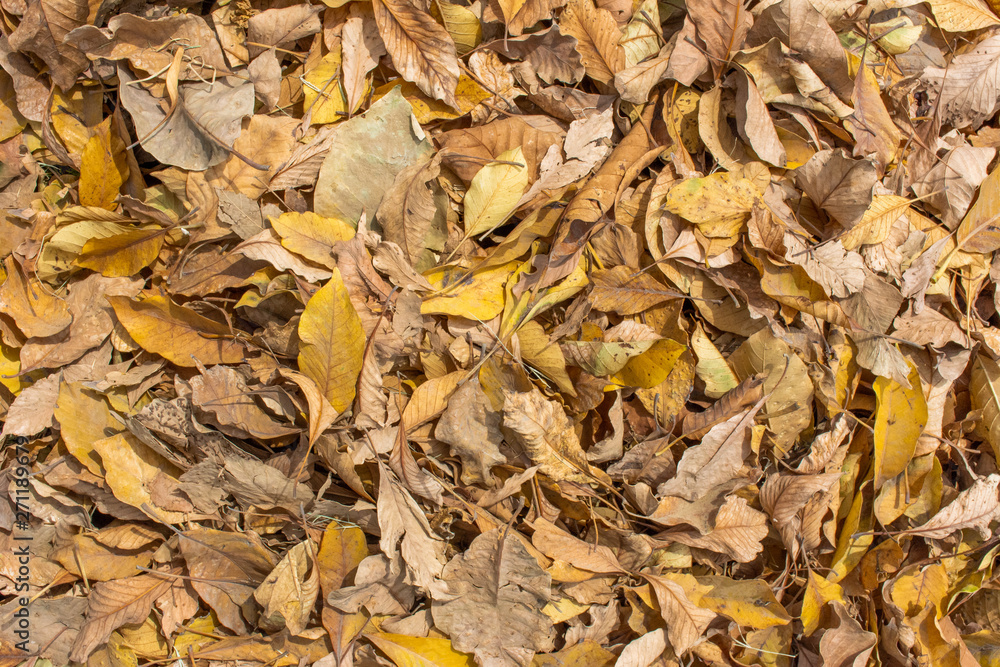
(340,552)
(36,310)
(103,169)
(408,651)
(130,468)
(124,254)
(421,50)
(430,399)
(176,333)
(597,35)
(332,343)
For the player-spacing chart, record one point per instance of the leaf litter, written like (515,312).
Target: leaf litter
(506,332)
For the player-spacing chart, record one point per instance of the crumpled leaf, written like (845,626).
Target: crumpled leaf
(541,428)
(492,607)
(975,507)
(201,130)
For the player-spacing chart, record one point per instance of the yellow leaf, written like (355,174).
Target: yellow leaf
(984,387)
(479,295)
(430,399)
(324,96)
(712,368)
(714,200)
(102,167)
(855,536)
(819,593)
(131,468)
(563,609)
(342,549)
(122,255)
(749,602)
(899,420)
(915,589)
(468,94)
(77,225)
(464,27)
(544,355)
(145,639)
(495,191)
(407,651)
(602,359)
(33,306)
(312,236)
(652,366)
(84,418)
(771,647)
(11,120)
(978,231)
(963,15)
(10,367)
(332,343)
(176,333)
(666,400)
(74,113)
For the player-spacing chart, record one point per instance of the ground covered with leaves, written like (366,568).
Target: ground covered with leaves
(512,332)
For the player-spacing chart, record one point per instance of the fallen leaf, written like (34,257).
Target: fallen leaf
(176,333)
(492,607)
(421,50)
(332,343)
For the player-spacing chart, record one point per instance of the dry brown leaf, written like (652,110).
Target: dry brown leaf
(597,35)
(472,428)
(718,458)
(405,531)
(493,601)
(541,429)
(226,568)
(421,50)
(115,603)
(975,507)
(677,595)
(967,90)
(722,26)
(738,532)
